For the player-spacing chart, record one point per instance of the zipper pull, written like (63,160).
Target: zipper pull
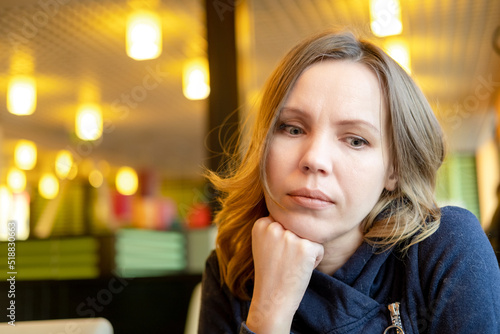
(395,319)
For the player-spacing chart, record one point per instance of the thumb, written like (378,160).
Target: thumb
(320,252)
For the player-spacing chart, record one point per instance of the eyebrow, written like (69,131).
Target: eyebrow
(358,122)
(343,122)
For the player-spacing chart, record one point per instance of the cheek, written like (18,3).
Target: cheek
(270,169)
(276,163)
(364,179)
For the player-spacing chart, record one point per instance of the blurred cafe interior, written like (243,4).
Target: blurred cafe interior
(110,111)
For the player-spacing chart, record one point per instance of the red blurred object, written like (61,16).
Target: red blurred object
(153,213)
(122,206)
(199,216)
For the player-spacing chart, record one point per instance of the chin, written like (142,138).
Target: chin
(304,226)
(317,229)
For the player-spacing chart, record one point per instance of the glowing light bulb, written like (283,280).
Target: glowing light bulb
(5,207)
(25,154)
(144,38)
(127,181)
(64,164)
(48,186)
(195,79)
(14,214)
(385,17)
(89,122)
(21,95)
(16,180)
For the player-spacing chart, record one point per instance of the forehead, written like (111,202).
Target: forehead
(345,88)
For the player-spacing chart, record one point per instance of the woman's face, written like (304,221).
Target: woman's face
(329,157)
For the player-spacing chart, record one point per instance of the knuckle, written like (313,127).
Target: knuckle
(290,236)
(275,228)
(257,227)
(304,247)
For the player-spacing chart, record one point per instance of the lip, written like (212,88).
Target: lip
(311,198)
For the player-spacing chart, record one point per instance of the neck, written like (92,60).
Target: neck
(338,251)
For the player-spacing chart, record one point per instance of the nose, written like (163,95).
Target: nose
(317,156)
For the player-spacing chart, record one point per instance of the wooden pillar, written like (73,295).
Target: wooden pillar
(223,119)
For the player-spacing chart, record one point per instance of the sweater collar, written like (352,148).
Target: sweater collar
(351,296)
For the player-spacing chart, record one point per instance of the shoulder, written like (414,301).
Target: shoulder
(212,272)
(459,251)
(453,216)
(220,312)
(213,285)
(457,272)
(459,232)
(212,262)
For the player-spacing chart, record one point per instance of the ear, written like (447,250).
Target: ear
(391,180)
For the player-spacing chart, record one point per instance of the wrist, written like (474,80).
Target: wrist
(266,318)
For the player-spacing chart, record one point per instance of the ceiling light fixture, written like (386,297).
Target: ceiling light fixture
(21,95)
(144,38)
(16,180)
(64,164)
(385,17)
(89,122)
(25,154)
(126,181)
(14,209)
(5,206)
(195,79)
(48,186)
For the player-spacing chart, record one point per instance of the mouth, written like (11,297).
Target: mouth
(312,199)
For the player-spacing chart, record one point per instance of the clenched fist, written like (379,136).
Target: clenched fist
(283,267)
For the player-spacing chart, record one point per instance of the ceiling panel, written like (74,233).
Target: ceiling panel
(79,49)
(451,47)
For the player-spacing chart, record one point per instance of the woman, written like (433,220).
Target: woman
(329,225)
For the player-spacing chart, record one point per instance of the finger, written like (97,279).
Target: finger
(262,223)
(320,252)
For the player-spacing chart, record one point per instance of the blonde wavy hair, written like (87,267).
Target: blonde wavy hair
(401,218)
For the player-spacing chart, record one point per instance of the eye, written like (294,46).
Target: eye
(357,142)
(290,129)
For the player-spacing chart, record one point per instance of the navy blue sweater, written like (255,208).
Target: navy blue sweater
(448,283)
